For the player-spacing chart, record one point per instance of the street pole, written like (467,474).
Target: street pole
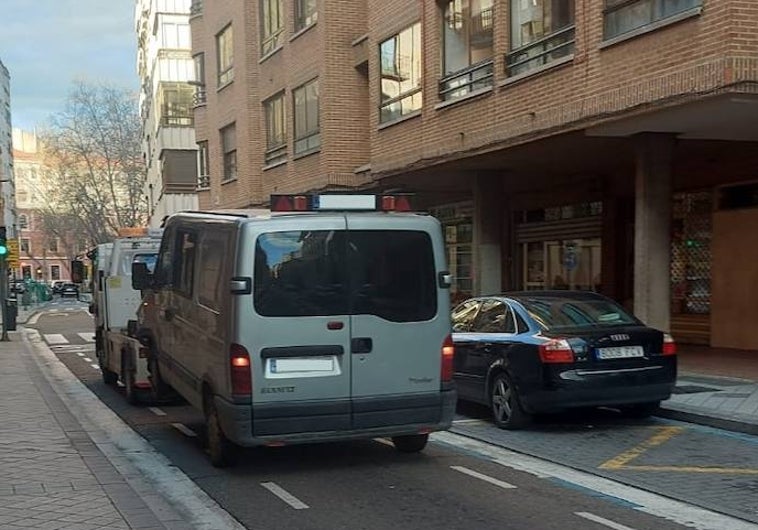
(3,297)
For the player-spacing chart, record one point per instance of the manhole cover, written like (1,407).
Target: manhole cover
(693,389)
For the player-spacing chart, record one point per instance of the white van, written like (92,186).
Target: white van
(307,326)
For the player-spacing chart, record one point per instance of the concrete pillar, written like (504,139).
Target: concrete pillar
(487,258)
(652,229)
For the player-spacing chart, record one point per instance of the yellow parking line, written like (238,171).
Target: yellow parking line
(664,435)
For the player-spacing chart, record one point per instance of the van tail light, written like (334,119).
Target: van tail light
(448,352)
(556,351)
(242,381)
(669,346)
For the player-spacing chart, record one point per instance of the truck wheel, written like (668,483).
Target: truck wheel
(127,377)
(411,443)
(220,449)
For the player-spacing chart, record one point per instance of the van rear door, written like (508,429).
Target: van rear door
(300,328)
(400,318)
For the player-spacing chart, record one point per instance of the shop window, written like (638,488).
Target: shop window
(691,253)
(572,264)
(457,225)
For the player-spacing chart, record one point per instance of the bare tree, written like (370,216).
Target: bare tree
(94,172)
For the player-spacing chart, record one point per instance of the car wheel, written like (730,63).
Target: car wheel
(411,443)
(641,410)
(220,449)
(506,407)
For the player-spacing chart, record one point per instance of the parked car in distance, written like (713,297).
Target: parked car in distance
(532,352)
(69,289)
(18,286)
(57,285)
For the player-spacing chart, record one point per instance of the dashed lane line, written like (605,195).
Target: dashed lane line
(285,495)
(186,431)
(485,478)
(602,520)
(88,359)
(156,411)
(96,367)
(80,354)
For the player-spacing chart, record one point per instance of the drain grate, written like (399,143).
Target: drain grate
(694,389)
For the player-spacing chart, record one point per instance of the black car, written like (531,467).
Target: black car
(69,289)
(534,352)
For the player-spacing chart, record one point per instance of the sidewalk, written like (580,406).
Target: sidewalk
(68,462)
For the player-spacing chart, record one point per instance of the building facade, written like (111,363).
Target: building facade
(165,68)
(44,253)
(570,144)
(7,185)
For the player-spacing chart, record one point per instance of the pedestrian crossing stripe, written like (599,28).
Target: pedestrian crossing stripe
(88,336)
(55,338)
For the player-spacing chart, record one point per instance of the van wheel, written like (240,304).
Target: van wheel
(507,412)
(109,378)
(158,388)
(220,449)
(411,443)
(127,377)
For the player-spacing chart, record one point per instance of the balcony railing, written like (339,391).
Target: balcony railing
(540,52)
(203,182)
(199,98)
(177,121)
(196,7)
(276,154)
(465,81)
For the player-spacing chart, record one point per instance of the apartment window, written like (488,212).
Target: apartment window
(225,52)
(200,94)
(272,30)
(307,131)
(23,222)
(305,13)
(229,149)
(541,31)
(52,245)
(203,167)
(400,58)
(467,40)
(276,129)
(622,16)
(25,246)
(55,272)
(176,105)
(176,36)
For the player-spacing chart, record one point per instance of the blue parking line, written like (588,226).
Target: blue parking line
(593,493)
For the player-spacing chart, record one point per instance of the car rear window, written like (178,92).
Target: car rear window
(389,274)
(563,313)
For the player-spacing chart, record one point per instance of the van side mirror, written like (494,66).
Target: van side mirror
(141,277)
(445,280)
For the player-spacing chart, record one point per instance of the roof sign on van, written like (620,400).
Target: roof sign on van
(398,202)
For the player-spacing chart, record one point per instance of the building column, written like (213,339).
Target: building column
(652,229)
(487,259)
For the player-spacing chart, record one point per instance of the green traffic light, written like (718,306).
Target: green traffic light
(3,250)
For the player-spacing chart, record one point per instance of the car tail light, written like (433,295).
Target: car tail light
(448,352)
(556,351)
(669,346)
(242,382)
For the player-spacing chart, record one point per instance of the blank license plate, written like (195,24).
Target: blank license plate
(620,352)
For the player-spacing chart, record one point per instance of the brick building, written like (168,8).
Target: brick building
(582,144)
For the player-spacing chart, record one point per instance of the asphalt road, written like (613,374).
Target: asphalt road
(478,481)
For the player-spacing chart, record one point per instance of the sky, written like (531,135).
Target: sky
(48,44)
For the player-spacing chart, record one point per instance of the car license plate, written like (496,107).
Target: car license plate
(620,352)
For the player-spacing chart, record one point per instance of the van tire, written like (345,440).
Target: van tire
(641,411)
(507,412)
(410,443)
(109,378)
(220,449)
(158,389)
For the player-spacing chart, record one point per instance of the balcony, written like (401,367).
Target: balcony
(541,52)
(203,182)
(465,81)
(199,97)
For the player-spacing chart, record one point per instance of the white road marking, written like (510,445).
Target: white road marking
(70,309)
(156,411)
(88,359)
(88,336)
(55,338)
(469,421)
(601,520)
(34,318)
(120,384)
(186,431)
(80,354)
(96,367)
(285,495)
(657,505)
(481,476)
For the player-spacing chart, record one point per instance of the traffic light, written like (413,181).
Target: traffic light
(3,242)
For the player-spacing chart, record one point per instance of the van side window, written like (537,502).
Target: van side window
(164,269)
(184,269)
(210,262)
(300,273)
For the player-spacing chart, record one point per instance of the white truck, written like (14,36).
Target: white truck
(115,309)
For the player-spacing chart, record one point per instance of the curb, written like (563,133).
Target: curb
(680,413)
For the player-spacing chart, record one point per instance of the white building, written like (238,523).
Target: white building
(7,189)
(165,67)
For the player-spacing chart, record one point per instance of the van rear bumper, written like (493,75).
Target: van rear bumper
(359,419)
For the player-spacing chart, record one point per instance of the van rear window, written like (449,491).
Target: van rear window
(389,274)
